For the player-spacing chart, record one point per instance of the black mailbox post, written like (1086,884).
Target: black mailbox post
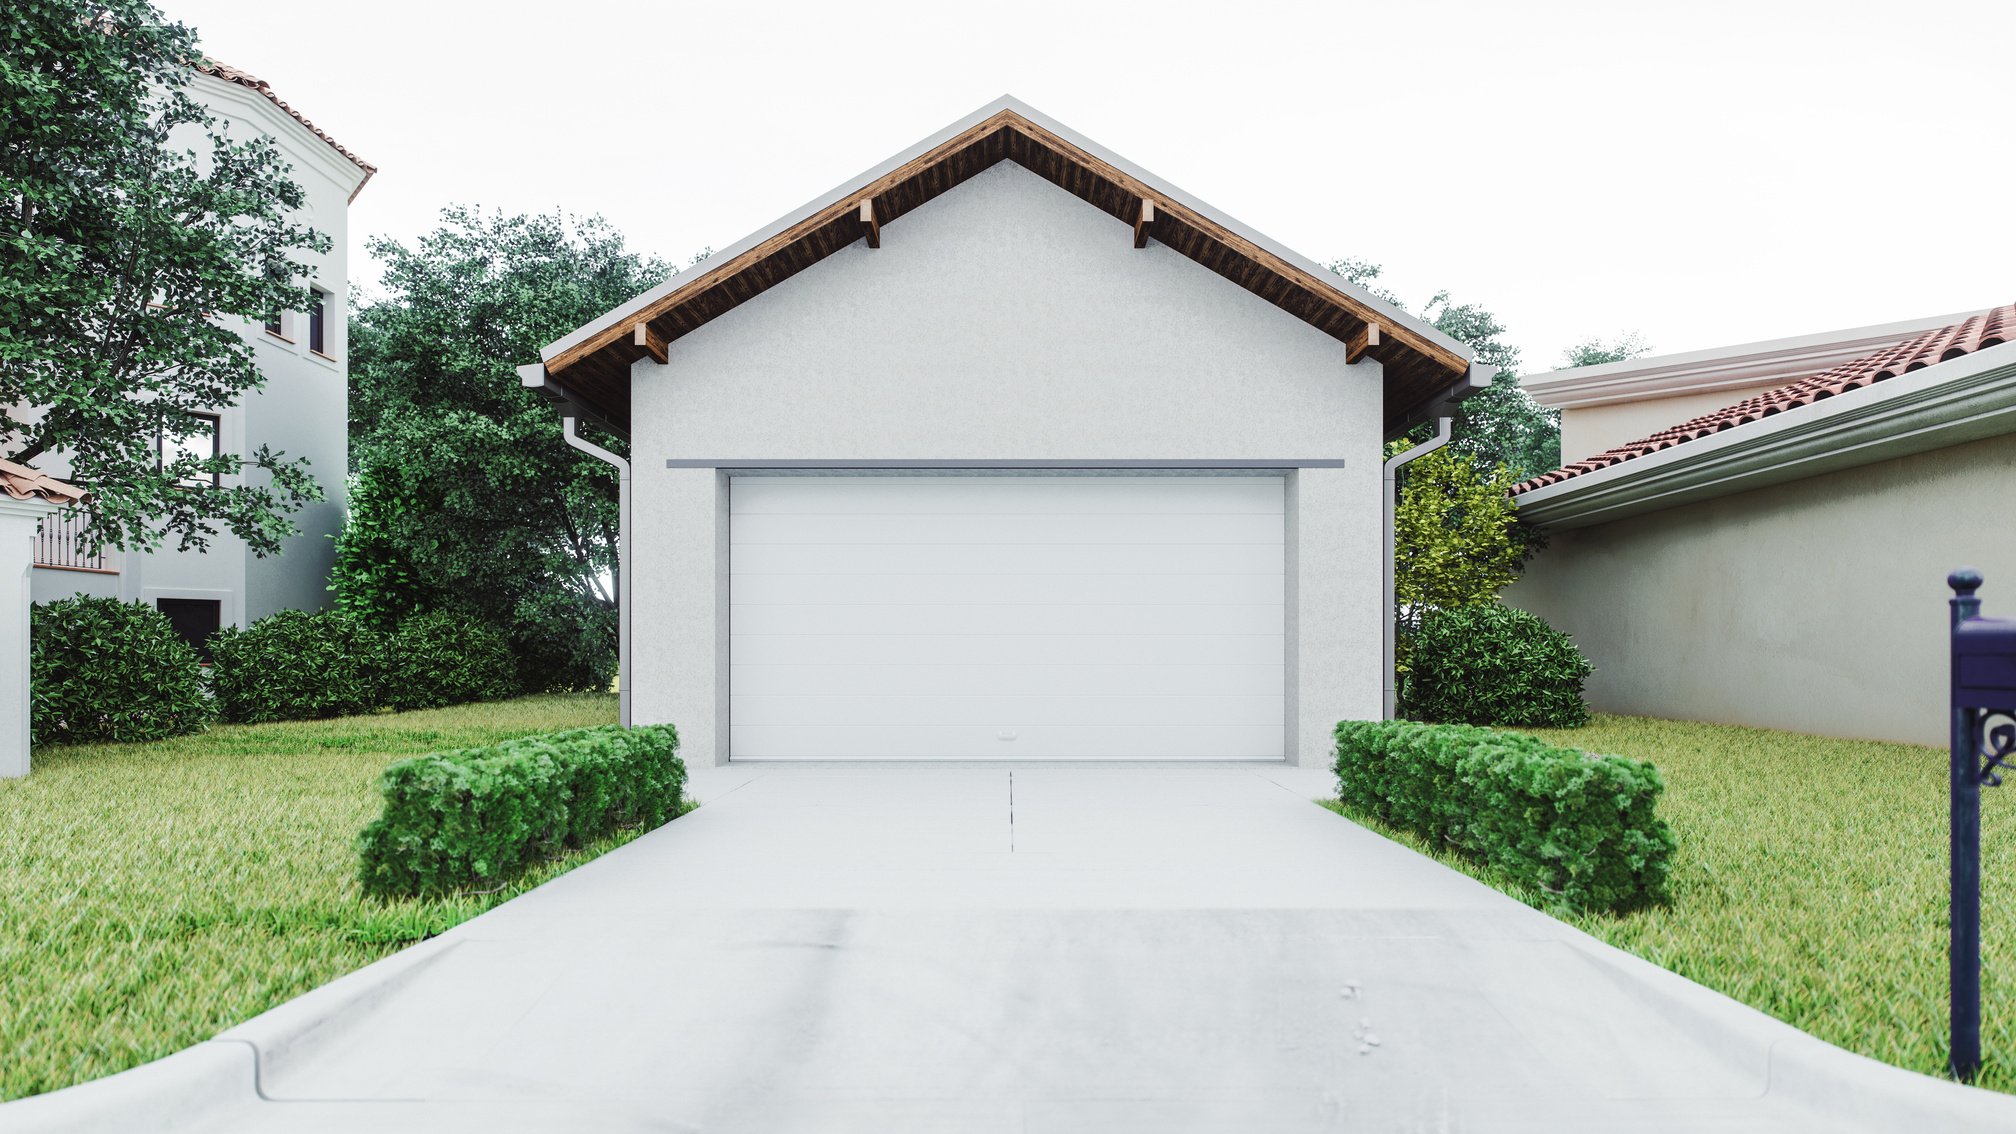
(1984,744)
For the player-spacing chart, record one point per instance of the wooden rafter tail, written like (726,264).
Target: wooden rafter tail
(1361,342)
(650,342)
(871,228)
(1143,221)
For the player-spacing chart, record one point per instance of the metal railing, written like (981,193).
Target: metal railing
(59,543)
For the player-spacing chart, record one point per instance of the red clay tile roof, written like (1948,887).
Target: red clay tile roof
(24,483)
(1987,329)
(231,74)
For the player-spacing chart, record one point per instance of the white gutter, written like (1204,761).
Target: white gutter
(1388,503)
(622,557)
(1949,403)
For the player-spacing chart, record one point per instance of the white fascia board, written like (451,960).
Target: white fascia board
(34,506)
(243,102)
(1951,403)
(853,186)
(1772,362)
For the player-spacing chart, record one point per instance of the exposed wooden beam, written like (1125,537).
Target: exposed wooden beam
(871,229)
(1143,222)
(1362,340)
(650,342)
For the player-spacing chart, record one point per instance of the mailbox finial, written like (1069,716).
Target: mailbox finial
(1964,581)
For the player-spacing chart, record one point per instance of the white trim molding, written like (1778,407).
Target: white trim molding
(1743,366)
(1950,403)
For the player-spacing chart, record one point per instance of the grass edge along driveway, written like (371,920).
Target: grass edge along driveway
(152,895)
(1810,883)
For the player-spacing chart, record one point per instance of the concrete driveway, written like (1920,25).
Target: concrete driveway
(1036,949)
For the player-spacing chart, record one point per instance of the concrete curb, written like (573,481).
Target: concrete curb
(1811,1074)
(193,1089)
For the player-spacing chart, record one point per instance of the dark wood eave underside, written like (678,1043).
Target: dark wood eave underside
(595,373)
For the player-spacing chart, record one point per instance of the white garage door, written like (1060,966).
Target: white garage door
(1042,617)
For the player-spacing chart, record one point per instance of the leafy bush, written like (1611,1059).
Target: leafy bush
(102,669)
(1492,664)
(439,658)
(1578,826)
(473,817)
(296,665)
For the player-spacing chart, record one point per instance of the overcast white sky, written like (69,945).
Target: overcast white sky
(1701,173)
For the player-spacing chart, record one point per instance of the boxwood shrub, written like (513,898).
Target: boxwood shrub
(297,665)
(1491,664)
(1582,828)
(472,818)
(439,658)
(101,669)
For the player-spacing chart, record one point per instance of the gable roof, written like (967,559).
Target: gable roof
(1954,340)
(23,483)
(1422,366)
(221,70)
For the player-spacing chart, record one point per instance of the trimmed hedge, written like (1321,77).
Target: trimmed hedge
(439,658)
(1581,827)
(471,818)
(101,669)
(1491,664)
(297,665)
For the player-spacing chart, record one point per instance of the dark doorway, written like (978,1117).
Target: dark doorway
(194,619)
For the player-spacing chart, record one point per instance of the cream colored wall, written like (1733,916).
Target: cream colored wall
(1815,606)
(1595,429)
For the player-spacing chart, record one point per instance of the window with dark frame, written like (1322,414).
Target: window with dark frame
(315,339)
(202,443)
(273,326)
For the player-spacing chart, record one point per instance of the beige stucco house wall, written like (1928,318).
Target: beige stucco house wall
(1789,571)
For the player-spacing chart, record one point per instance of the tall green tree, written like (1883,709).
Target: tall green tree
(1502,424)
(140,241)
(469,500)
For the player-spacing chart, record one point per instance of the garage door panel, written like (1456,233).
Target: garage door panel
(1004,618)
(1007,711)
(1023,589)
(959,742)
(927,559)
(1020,528)
(851,650)
(1076,617)
(937,495)
(1007,680)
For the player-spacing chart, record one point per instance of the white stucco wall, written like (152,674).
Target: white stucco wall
(1004,320)
(1817,606)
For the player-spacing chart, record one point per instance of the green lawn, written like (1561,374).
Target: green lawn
(1811,883)
(152,895)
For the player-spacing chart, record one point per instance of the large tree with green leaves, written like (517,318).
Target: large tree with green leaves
(1499,425)
(140,240)
(467,498)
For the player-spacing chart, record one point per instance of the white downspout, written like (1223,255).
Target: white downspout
(1389,502)
(623,571)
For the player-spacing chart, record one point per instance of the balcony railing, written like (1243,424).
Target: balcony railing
(59,544)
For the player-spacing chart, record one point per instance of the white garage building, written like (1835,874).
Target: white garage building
(1004,450)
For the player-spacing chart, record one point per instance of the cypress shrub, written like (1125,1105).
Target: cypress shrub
(101,669)
(474,817)
(439,658)
(297,665)
(1491,664)
(1580,827)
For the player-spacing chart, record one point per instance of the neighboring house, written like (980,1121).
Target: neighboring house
(1781,560)
(303,410)
(1005,449)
